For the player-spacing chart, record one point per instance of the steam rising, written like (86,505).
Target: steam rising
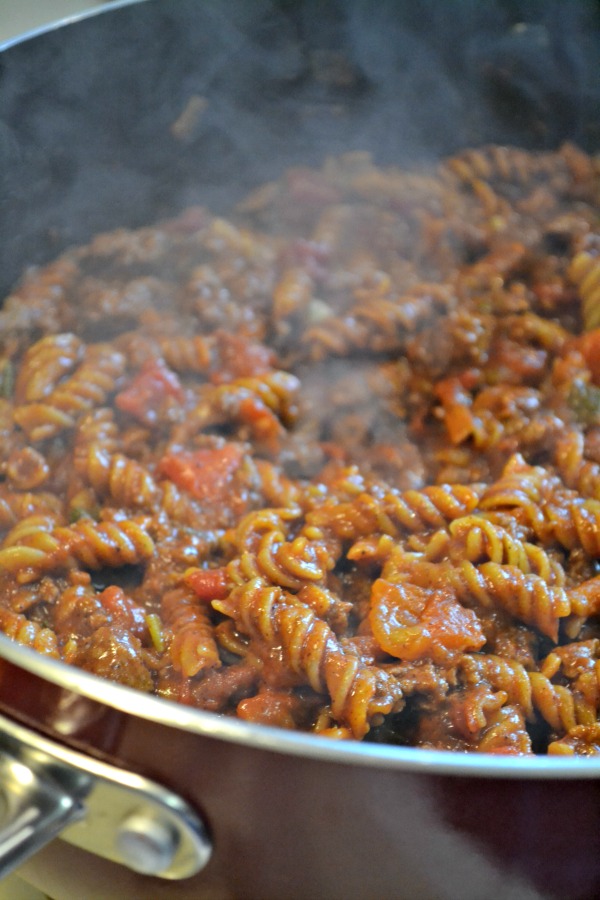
(87,113)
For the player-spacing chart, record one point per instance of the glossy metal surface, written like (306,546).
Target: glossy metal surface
(34,810)
(294,817)
(47,789)
(77,704)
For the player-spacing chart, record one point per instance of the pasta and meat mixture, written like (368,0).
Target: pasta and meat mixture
(331,463)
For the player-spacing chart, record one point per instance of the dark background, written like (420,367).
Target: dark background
(87,112)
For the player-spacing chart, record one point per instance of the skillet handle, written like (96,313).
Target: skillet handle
(47,789)
(33,811)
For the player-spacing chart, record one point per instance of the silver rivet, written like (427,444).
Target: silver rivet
(146,843)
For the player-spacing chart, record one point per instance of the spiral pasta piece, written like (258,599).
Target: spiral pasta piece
(35,547)
(520,486)
(574,524)
(584,272)
(30,633)
(54,280)
(478,539)
(89,386)
(497,163)
(581,474)
(412,511)
(379,324)
(586,694)
(294,563)
(585,598)
(45,364)
(278,490)
(123,480)
(96,429)
(506,733)
(210,491)
(501,674)
(30,528)
(583,740)
(276,392)
(526,597)
(326,605)
(16,506)
(191,642)
(250,529)
(554,701)
(188,354)
(228,637)
(112,544)
(359,694)
(571,660)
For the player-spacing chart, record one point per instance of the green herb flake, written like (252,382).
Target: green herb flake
(584,401)
(7,379)
(76,513)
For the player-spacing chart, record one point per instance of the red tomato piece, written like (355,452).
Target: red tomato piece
(153,384)
(589,347)
(208,584)
(450,625)
(271,707)
(206,473)
(122,610)
(412,623)
(456,401)
(264,423)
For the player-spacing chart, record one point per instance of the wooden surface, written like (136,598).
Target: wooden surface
(13,888)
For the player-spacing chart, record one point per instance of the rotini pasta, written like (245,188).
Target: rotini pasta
(329,464)
(191,642)
(358,693)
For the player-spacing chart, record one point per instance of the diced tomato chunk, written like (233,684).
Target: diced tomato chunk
(153,384)
(208,584)
(264,423)
(123,610)
(589,347)
(272,707)
(207,473)
(506,750)
(456,400)
(414,623)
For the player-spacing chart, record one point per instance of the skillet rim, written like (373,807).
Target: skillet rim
(414,760)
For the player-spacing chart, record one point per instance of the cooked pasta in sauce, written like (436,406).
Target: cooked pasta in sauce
(329,464)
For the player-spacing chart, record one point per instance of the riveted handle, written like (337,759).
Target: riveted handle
(33,811)
(48,790)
